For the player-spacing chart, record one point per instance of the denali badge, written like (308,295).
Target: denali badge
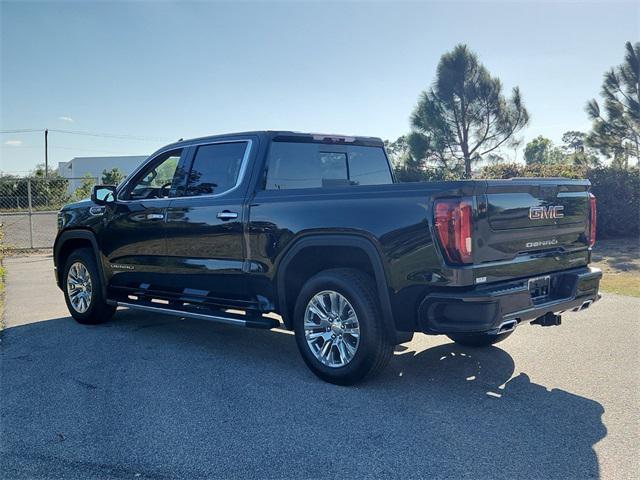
(542,213)
(542,243)
(119,266)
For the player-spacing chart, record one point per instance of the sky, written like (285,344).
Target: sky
(148,73)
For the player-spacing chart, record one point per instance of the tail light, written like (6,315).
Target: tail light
(454,222)
(592,223)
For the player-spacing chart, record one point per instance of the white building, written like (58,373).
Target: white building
(79,167)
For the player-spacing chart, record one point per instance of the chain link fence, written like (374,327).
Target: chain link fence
(29,208)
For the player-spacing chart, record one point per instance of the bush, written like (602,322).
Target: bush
(406,174)
(46,193)
(112,177)
(618,195)
(511,170)
(84,190)
(616,190)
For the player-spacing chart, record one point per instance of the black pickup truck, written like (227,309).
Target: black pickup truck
(314,228)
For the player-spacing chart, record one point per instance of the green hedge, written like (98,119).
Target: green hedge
(46,193)
(617,192)
(618,195)
(429,174)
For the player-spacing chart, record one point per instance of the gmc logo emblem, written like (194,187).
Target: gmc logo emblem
(542,213)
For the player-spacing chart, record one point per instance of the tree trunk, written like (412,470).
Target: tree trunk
(467,166)
(467,158)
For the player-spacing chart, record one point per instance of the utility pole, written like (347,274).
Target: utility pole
(46,152)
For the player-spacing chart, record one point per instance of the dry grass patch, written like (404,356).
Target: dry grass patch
(620,263)
(621,283)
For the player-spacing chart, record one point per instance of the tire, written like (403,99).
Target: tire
(90,307)
(478,339)
(370,351)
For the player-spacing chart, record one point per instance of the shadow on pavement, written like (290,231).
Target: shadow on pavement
(156,397)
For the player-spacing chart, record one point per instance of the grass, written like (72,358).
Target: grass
(621,283)
(619,260)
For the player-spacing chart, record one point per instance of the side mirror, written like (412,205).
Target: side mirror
(103,194)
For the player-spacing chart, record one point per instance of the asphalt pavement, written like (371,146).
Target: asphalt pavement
(152,396)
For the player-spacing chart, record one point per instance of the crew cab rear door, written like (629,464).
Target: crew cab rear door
(205,227)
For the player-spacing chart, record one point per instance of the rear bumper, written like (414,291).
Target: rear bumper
(488,308)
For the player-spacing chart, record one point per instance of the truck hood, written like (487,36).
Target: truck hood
(86,203)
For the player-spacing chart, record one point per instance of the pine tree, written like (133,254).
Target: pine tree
(464,115)
(616,130)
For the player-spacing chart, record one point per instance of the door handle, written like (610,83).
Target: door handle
(155,216)
(227,215)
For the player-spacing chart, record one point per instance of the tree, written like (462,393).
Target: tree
(541,151)
(576,151)
(112,177)
(85,188)
(464,115)
(405,167)
(574,140)
(397,150)
(39,170)
(537,150)
(409,169)
(495,159)
(615,131)
(48,191)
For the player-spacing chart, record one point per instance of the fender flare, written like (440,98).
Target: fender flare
(78,234)
(338,240)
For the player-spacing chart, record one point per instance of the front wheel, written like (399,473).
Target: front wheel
(83,289)
(478,339)
(339,329)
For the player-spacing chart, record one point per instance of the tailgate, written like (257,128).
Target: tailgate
(522,217)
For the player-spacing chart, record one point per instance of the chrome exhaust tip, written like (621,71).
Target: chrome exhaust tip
(508,326)
(586,305)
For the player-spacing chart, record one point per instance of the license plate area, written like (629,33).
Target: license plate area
(539,288)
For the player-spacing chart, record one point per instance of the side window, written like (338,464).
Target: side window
(293,165)
(156,179)
(368,166)
(314,165)
(215,168)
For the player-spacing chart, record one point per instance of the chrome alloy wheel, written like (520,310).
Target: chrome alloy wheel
(331,328)
(79,287)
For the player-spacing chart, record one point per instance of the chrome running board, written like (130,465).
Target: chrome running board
(223,317)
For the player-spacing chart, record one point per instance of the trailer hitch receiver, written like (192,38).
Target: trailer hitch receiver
(549,319)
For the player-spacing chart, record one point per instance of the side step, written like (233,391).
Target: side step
(219,316)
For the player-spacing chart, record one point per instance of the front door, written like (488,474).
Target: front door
(134,238)
(205,228)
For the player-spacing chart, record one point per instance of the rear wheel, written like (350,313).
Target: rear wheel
(83,289)
(339,329)
(478,339)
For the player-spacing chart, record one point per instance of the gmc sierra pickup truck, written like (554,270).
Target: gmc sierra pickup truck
(314,228)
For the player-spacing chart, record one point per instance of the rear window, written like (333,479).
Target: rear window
(315,165)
